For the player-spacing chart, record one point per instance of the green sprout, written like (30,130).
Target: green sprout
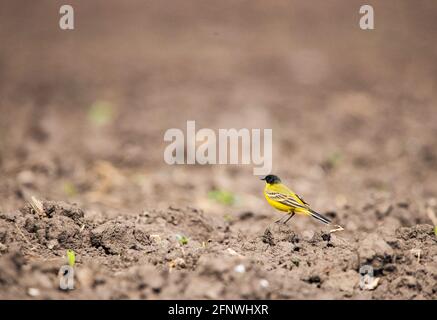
(223,197)
(69,189)
(228,217)
(435,230)
(183,240)
(101,113)
(71,256)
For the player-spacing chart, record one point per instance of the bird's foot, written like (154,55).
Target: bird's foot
(337,228)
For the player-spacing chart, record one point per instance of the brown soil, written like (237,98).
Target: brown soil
(138,256)
(354,127)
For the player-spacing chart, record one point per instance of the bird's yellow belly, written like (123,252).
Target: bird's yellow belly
(277,205)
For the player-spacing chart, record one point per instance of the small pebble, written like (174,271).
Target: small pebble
(263,283)
(26,177)
(240,268)
(3,247)
(52,243)
(308,234)
(33,292)
(232,252)
(156,238)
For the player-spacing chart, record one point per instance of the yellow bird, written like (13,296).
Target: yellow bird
(280,197)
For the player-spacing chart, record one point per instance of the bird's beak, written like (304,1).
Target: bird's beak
(263,178)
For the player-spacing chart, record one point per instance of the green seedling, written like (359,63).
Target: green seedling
(228,217)
(183,240)
(435,230)
(222,197)
(69,189)
(71,256)
(139,179)
(101,113)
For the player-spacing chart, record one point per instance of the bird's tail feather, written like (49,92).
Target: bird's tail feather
(319,217)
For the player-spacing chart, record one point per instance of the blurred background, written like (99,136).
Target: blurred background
(84,112)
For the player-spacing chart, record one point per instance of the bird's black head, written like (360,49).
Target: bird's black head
(271,179)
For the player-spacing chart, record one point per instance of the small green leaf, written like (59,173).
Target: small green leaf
(101,113)
(71,257)
(183,240)
(69,189)
(333,160)
(228,217)
(435,230)
(223,197)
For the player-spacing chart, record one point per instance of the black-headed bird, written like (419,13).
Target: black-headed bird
(280,197)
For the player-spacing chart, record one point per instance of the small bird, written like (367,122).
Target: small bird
(280,197)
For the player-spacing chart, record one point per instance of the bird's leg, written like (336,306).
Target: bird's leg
(279,220)
(291,215)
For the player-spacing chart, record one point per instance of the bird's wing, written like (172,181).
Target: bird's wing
(286,199)
(301,199)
